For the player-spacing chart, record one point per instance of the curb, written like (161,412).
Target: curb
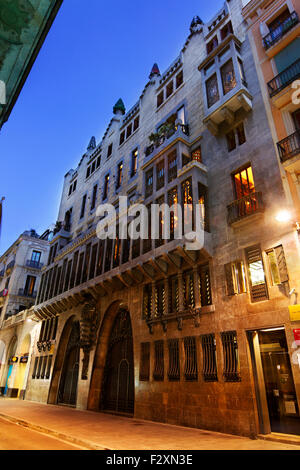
(58,435)
(282,438)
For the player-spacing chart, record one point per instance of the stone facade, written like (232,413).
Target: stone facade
(184,320)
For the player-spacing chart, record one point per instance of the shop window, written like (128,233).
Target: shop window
(209,370)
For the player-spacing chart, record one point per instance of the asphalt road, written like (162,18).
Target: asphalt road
(14,437)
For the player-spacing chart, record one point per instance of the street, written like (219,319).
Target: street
(15,437)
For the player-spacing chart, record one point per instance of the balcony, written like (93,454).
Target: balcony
(34,264)
(289,147)
(25,293)
(277,34)
(279,87)
(245,207)
(176,131)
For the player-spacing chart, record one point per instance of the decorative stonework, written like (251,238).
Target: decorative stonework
(89,324)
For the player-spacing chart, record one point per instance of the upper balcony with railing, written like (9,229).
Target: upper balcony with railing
(242,208)
(280,29)
(279,87)
(165,136)
(289,148)
(34,264)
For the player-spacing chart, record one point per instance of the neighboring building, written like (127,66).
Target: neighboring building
(20,272)
(24,26)
(147,327)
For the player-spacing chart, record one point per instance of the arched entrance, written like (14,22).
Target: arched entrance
(67,392)
(118,380)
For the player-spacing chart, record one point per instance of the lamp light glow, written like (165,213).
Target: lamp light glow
(283,216)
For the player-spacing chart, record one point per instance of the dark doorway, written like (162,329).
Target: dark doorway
(273,358)
(67,392)
(118,381)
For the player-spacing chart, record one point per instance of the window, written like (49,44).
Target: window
(212,90)
(72,187)
(94,197)
(235,278)
(122,137)
(119,175)
(244,184)
(209,370)
(228,77)
(105,189)
(134,162)
(108,255)
(93,262)
(160,175)
(117,250)
(83,206)
(241,134)
(277,265)
(173,294)
(160,241)
(158,372)
(169,89)
(149,182)
(226,30)
(160,99)
(160,300)
(136,123)
(212,45)
(36,360)
(88,172)
(242,72)
(231,143)
(173,199)
(36,256)
(174,363)
(172,166)
(147,301)
(179,79)
(190,364)
(203,206)
(205,285)
(188,289)
(109,150)
(235,136)
(129,131)
(29,286)
(145,362)
(256,273)
(230,356)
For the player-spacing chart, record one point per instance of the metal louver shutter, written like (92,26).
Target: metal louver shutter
(229,279)
(282,268)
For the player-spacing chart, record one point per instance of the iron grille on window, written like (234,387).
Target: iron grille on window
(145,362)
(230,354)
(190,364)
(158,373)
(209,358)
(205,286)
(160,298)
(174,364)
(188,289)
(173,294)
(147,301)
(48,371)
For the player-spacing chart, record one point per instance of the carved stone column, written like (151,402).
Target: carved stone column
(89,324)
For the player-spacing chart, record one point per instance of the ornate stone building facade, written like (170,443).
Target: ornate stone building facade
(149,328)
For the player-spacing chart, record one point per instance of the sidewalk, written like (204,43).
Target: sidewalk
(108,432)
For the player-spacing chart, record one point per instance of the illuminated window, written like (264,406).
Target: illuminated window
(169,89)
(235,278)
(244,183)
(119,175)
(277,265)
(257,281)
(106,183)
(134,162)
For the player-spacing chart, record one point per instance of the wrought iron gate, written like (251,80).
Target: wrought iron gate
(67,392)
(118,382)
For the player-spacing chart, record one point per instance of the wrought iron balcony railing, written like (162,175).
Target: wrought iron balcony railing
(34,264)
(289,147)
(244,207)
(277,33)
(184,129)
(25,293)
(284,78)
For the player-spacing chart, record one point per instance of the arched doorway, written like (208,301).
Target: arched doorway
(118,380)
(67,392)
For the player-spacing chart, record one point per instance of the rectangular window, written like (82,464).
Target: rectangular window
(235,278)
(203,206)
(122,137)
(179,79)
(29,286)
(88,172)
(44,364)
(83,206)
(173,199)
(109,150)
(39,367)
(169,89)
(226,30)
(158,372)
(105,189)
(108,255)
(93,262)
(119,175)
(145,362)
(147,243)
(100,258)
(117,250)
(228,77)
(36,360)
(79,270)
(160,99)
(48,371)
(241,134)
(160,241)
(134,162)
(174,363)
(244,183)
(68,274)
(94,197)
(256,273)
(172,166)
(129,131)
(209,371)
(149,182)
(277,265)
(173,294)
(242,72)
(147,301)
(230,357)
(160,175)
(86,263)
(136,123)
(205,285)
(231,143)
(190,363)
(212,44)
(212,90)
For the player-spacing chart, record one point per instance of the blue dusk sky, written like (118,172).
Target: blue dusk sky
(95,53)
